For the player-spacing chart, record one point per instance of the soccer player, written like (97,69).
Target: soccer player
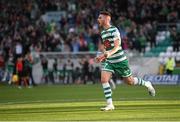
(114,60)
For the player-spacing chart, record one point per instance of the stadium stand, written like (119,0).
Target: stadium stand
(24,26)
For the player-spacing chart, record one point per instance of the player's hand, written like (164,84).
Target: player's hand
(100,58)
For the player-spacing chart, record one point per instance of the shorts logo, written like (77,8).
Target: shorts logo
(127,71)
(104,65)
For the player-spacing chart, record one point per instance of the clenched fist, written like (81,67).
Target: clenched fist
(100,58)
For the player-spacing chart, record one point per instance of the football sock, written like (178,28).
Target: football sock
(107,92)
(112,83)
(139,81)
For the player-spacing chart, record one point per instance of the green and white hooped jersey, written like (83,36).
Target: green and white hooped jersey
(108,37)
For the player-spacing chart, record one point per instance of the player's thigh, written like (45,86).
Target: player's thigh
(105,76)
(106,71)
(122,69)
(106,66)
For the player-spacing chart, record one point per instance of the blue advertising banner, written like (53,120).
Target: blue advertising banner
(163,79)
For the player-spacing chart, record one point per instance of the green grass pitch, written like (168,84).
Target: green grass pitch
(83,102)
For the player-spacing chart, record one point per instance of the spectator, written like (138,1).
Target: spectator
(19,71)
(2,63)
(77,76)
(18,50)
(142,41)
(9,70)
(85,70)
(50,70)
(55,70)
(64,73)
(30,61)
(26,71)
(44,63)
(69,70)
(96,74)
(170,64)
(175,39)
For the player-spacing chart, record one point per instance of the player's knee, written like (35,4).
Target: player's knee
(130,83)
(103,81)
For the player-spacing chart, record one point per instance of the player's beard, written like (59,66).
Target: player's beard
(100,28)
(100,25)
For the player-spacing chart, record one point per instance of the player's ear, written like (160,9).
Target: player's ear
(109,18)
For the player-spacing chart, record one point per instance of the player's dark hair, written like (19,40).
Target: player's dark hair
(105,13)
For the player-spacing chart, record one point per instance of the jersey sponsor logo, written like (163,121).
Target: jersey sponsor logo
(107,44)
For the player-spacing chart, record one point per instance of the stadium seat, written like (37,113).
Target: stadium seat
(161,60)
(174,54)
(178,54)
(167,34)
(169,49)
(178,59)
(147,48)
(162,54)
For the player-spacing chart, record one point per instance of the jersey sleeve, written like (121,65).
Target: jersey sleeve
(116,34)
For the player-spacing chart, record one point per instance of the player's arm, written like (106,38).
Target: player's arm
(114,50)
(101,57)
(107,54)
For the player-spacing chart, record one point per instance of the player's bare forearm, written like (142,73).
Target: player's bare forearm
(114,50)
(100,58)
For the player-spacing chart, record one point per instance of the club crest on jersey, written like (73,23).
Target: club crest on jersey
(107,44)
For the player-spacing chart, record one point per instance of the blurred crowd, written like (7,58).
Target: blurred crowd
(69,71)
(22,29)
(21,23)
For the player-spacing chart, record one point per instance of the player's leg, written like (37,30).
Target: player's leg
(123,70)
(112,83)
(139,81)
(105,77)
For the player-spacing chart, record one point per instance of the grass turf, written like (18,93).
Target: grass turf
(82,102)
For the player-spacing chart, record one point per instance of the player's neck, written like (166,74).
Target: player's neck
(107,26)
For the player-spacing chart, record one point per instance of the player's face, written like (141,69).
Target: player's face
(101,20)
